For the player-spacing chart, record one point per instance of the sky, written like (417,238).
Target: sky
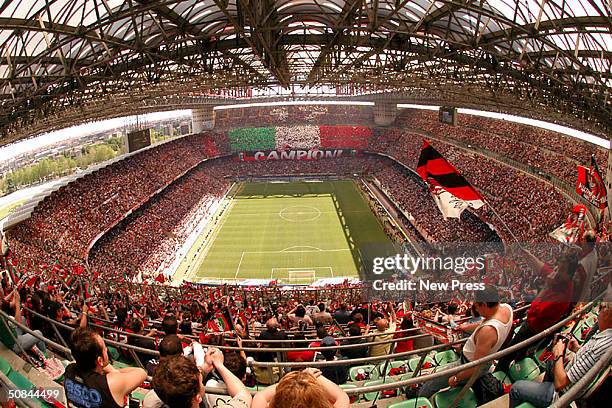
(17,148)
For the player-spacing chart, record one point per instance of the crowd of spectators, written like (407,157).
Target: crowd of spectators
(414,198)
(297,137)
(550,152)
(64,227)
(148,240)
(576,149)
(546,151)
(293,115)
(250,139)
(173,320)
(178,329)
(530,207)
(64,224)
(346,137)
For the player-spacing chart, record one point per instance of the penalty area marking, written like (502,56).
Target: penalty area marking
(289,250)
(307,269)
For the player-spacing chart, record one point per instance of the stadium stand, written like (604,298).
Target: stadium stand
(372,377)
(354,137)
(542,149)
(247,139)
(92,254)
(237,267)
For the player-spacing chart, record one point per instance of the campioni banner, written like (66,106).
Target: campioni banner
(591,186)
(313,154)
(573,228)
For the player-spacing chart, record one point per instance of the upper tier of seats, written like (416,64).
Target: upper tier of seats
(64,224)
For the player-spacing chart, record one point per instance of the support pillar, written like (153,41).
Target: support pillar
(202,119)
(385,112)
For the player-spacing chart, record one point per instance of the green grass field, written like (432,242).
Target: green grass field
(293,231)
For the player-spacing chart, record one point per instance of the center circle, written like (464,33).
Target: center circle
(299,213)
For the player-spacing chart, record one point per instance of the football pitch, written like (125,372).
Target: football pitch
(295,232)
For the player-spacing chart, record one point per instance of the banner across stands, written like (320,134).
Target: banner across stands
(313,154)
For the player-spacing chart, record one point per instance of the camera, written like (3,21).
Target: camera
(195,351)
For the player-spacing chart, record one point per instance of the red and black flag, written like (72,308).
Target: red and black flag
(451,191)
(591,185)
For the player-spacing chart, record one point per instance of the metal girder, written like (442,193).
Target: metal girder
(23,59)
(374,51)
(345,21)
(56,28)
(258,43)
(544,26)
(261,46)
(439,13)
(397,43)
(186,27)
(182,25)
(262,19)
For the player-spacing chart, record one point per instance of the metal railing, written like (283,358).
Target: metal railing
(282,365)
(584,383)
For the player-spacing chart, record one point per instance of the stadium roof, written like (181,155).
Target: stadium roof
(63,62)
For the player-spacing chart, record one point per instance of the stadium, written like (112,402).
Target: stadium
(364,203)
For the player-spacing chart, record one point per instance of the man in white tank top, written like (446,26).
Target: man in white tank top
(487,339)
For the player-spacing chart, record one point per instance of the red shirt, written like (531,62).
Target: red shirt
(550,304)
(360,324)
(402,346)
(300,355)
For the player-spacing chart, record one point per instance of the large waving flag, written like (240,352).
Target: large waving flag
(573,228)
(451,191)
(592,186)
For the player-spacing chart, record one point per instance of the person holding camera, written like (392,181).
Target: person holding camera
(178,381)
(562,373)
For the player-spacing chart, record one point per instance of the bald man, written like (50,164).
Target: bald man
(266,375)
(385,330)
